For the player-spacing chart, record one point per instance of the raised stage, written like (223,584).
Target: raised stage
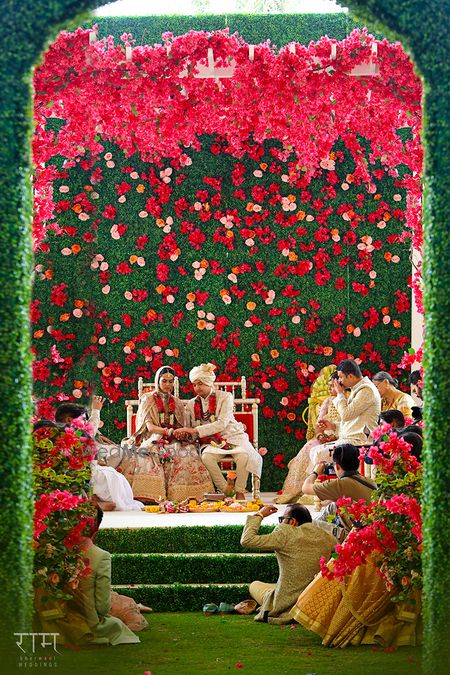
(140,519)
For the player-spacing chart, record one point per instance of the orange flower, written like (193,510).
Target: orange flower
(274,353)
(332,155)
(140,188)
(291,416)
(327,351)
(88,188)
(77,208)
(386,216)
(79,304)
(160,289)
(229,234)
(349,178)
(133,258)
(206,207)
(201,324)
(94,339)
(292,256)
(106,371)
(249,206)
(350,328)
(160,222)
(236,270)
(223,292)
(301,215)
(385,310)
(251,305)
(377,196)
(177,251)
(204,264)
(255,357)
(396,323)
(151,314)
(76,248)
(291,198)
(371,284)
(263,166)
(387,256)
(64,317)
(190,297)
(78,384)
(231,475)
(48,274)
(38,333)
(176,352)
(130,344)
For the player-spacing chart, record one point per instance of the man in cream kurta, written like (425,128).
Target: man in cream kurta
(358,412)
(220,423)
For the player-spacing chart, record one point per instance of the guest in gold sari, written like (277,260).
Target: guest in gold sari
(163,467)
(357,611)
(391,397)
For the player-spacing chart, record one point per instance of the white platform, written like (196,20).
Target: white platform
(138,519)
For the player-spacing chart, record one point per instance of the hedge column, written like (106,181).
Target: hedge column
(23,32)
(424,30)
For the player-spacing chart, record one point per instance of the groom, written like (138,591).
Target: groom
(210,419)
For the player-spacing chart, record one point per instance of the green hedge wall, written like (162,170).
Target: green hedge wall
(280,29)
(285,291)
(220,568)
(176,539)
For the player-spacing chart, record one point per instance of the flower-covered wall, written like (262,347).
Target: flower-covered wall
(268,238)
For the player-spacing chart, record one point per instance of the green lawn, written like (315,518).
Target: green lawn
(188,643)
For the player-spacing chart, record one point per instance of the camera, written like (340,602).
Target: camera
(328,469)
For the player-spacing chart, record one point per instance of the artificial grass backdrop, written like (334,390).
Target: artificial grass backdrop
(193,643)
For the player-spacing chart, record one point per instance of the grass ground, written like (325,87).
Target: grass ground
(188,643)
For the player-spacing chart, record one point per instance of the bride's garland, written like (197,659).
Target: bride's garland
(209,416)
(166,415)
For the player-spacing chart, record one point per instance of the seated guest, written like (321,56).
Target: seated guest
(92,597)
(210,419)
(393,417)
(300,465)
(164,465)
(391,397)
(358,411)
(111,490)
(349,483)
(298,544)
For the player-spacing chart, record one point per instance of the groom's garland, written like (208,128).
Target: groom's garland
(208,417)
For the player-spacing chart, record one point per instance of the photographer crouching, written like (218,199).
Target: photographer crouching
(347,482)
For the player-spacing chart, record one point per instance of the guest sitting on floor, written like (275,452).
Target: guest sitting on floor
(111,490)
(349,483)
(298,544)
(92,597)
(210,419)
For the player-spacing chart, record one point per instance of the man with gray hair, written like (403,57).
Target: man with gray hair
(210,419)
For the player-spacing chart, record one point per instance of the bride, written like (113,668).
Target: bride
(163,467)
